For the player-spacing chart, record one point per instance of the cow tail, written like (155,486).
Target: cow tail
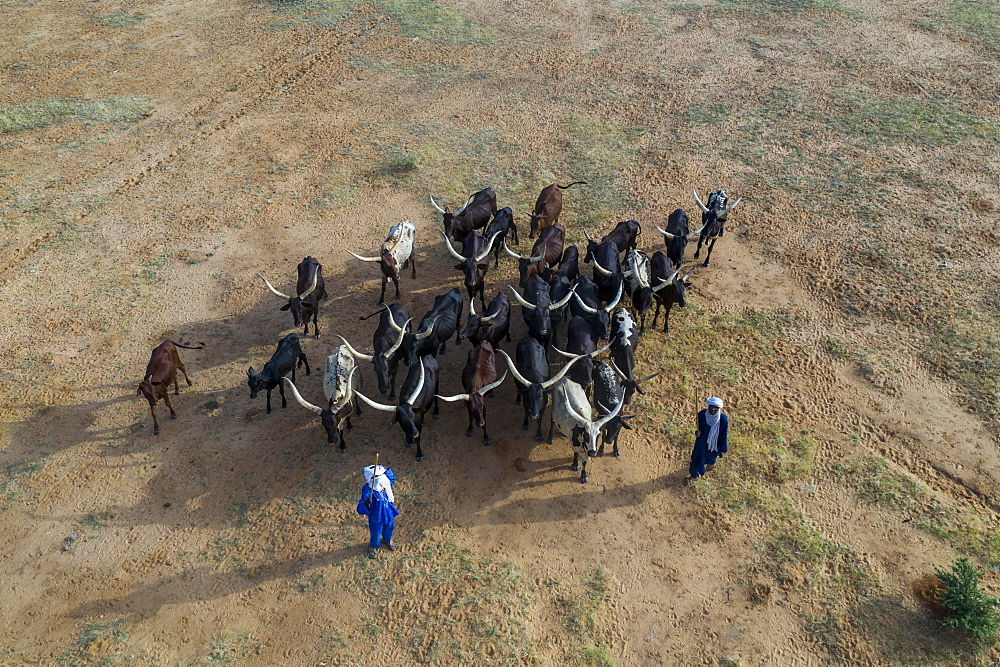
(380,310)
(566,187)
(197,346)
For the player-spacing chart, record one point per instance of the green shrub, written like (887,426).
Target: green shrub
(969,608)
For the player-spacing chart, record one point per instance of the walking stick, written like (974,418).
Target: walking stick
(368,501)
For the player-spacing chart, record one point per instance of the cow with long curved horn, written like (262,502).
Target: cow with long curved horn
(572,415)
(668,286)
(546,253)
(397,251)
(416,395)
(530,373)
(479,378)
(538,307)
(310,289)
(475,213)
(608,392)
(475,248)
(340,398)
(588,305)
(438,325)
(387,342)
(675,236)
(713,220)
(493,325)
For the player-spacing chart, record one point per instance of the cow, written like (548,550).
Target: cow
(475,248)
(713,220)
(415,397)
(538,307)
(479,377)
(546,252)
(548,206)
(571,414)
(625,236)
(608,392)
(475,213)
(387,342)
(310,289)
(559,289)
(637,277)
(397,251)
(624,340)
(569,266)
(494,325)
(668,288)
(530,373)
(340,398)
(502,223)
(439,323)
(607,268)
(161,370)
(588,306)
(580,341)
(286,358)
(675,236)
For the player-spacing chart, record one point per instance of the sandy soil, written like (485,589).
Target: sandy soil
(232,535)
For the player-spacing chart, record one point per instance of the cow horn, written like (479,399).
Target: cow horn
(452,399)
(648,377)
(587,308)
(315,281)
(490,387)
(511,252)
(601,269)
(428,331)
(472,307)
(697,232)
(700,205)
(489,247)
(608,308)
(667,234)
(618,408)
(488,318)
(420,385)
(520,299)
(684,277)
(599,350)
(451,249)
(532,260)
(355,353)
(565,354)
(730,208)
(469,201)
(679,269)
(377,406)
(399,341)
(303,402)
(573,413)
(367,259)
(618,370)
(587,234)
(438,208)
(562,372)
(271,287)
(392,323)
(563,301)
(513,369)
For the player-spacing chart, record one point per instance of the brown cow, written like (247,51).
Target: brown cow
(548,206)
(160,372)
(479,378)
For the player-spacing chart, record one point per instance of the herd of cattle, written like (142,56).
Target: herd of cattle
(552,290)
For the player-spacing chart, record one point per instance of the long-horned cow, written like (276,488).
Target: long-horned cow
(387,341)
(493,325)
(475,213)
(675,236)
(624,341)
(475,248)
(287,357)
(713,220)
(538,307)
(397,251)
(503,222)
(530,373)
(668,286)
(571,414)
(548,206)
(164,362)
(415,397)
(608,392)
(310,288)
(546,252)
(479,377)
(437,326)
(340,399)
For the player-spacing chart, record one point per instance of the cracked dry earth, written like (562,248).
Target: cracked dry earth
(273,131)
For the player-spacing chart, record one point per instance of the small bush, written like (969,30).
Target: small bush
(969,608)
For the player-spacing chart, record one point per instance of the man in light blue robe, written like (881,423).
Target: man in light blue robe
(378,504)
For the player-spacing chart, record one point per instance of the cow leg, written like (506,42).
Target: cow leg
(156,424)
(269,400)
(527,417)
(180,366)
(420,452)
(413,266)
(551,427)
(541,415)
(305,361)
(357,406)
(436,412)
(395,282)
(444,345)
(381,298)
(656,314)
(316,322)
(468,431)
(350,427)
(576,462)
(697,250)
(600,450)
(583,473)
(166,399)
(281,390)
(486,437)
(343,443)
(642,324)
(711,246)
(616,452)
(666,317)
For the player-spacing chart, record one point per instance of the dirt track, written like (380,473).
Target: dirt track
(277,131)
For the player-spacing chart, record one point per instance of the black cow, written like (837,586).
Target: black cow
(475,248)
(588,305)
(493,326)
(530,373)
(607,268)
(387,342)
(474,214)
(624,340)
(415,397)
(668,288)
(675,236)
(502,224)
(286,358)
(310,288)
(580,340)
(713,220)
(569,266)
(439,323)
(625,235)
(538,307)
(607,396)
(559,290)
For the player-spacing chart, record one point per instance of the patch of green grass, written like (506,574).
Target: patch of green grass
(908,119)
(581,611)
(118,19)
(781,6)
(14,476)
(878,484)
(599,153)
(436,22)
(99,643)
(228,649)
(314,13)
(706,113)
(49,111)
(96,520)
(974,17)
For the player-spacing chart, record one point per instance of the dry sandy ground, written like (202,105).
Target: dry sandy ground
(277,131)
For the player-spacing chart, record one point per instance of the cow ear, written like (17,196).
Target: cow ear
(419,411)
(625,425)
(395,418)
(250,371)
(286,306)
(459,267)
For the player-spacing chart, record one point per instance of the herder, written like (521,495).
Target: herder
(378,503)
(711,440)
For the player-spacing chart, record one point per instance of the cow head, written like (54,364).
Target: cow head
(714,215)
(540,320)
(600,317)
(295,303)
(405,414)
(585,431)
(152,391)
(448,216)
(536,392)
(419,343)
(255,383)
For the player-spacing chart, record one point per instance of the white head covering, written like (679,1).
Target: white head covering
(713,423)
(715,401)
(381,482)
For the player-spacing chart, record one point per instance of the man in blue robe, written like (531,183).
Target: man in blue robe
(378,503)
(711,440)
